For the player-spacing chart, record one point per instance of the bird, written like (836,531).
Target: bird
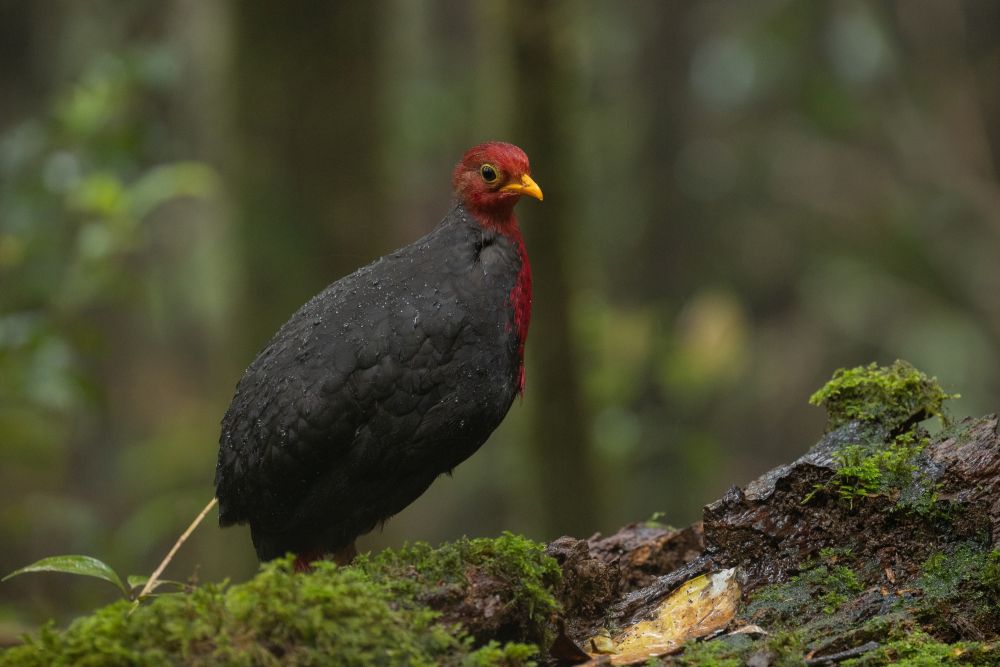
(388,378)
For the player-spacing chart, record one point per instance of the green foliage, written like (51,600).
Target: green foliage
(83,186)
(373,613)
(897,461)
(890,396)
(864,471)
(857,475)
(88,566)
(76,191)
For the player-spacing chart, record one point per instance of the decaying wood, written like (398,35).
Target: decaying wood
(771,526)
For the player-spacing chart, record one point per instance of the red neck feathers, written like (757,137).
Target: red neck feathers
(520,295)
(489,180)
(520,301)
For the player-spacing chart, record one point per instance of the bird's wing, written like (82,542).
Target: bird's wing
(351,373)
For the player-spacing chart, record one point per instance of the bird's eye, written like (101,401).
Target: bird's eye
(489,173)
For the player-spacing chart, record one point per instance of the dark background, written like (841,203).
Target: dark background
(740,198)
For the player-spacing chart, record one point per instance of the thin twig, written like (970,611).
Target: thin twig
(151,582)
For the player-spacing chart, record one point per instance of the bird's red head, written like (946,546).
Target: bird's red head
(490,179)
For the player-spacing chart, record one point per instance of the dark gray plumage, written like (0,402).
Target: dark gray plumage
(386,379)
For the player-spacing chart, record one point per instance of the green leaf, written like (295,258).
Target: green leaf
(81,565)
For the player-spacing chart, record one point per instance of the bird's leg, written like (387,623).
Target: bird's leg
(303,561)
(346,555)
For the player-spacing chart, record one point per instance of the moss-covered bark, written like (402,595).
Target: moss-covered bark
(396,608)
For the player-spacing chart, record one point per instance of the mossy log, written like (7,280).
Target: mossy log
(911,573)
(877,547)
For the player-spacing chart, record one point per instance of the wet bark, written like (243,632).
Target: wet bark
(780,527)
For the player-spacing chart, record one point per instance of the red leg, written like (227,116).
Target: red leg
(304,561)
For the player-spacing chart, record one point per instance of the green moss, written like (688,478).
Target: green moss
(868,470)
(967,572)
(919,649)
(494,654)
(782,649)
(897,462)
(857,475)
(779,605)
(511,565)
(889,395)
(419,568)
(712,654)
(820,588)
(959,583)
(817,613)
(991,576)
(833,555)
(787,649)
(374,613)
(888,399)
(840,583)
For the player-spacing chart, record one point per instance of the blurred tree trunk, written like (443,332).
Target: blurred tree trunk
(23,77)
(673,258)
(306,167)
(673,240)
(963,99)
(561,435)
(982,19)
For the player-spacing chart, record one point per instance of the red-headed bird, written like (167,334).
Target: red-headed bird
(387,378)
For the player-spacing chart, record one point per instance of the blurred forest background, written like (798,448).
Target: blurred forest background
(740,198)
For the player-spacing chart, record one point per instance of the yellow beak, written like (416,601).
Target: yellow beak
(525,187)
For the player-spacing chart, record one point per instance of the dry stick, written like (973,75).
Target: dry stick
(151,582)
